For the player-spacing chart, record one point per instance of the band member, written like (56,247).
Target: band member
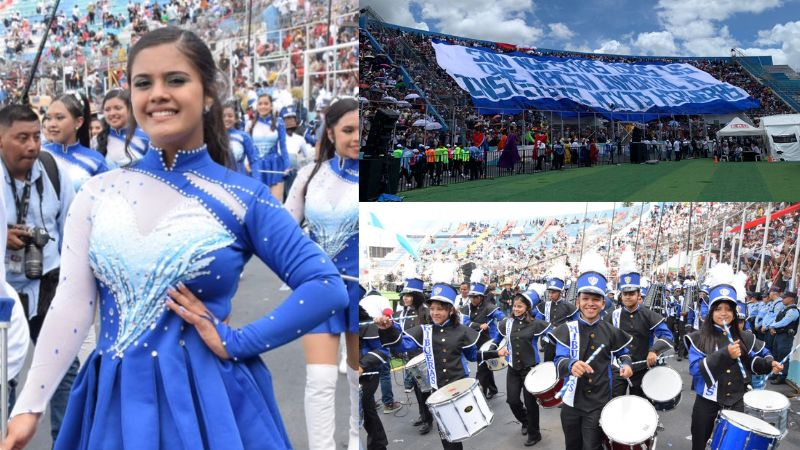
(588,387)
(555,311)
(522,333)
(647,328)
(414,312)
(482,316)
(445,342)
(373,355)
(721,369)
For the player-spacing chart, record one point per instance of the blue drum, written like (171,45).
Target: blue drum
(734,430)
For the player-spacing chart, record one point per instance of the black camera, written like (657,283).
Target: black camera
(34,259)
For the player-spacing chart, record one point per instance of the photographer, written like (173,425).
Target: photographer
(37,196)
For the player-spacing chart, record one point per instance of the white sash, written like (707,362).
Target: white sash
(509,323)
(547,311)
(710,393)
(574,353)
(697,316)
(615,317)
(427,349)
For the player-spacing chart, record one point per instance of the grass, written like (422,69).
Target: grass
(692,180)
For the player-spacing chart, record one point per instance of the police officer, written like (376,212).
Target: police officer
(482,316)
(784,329)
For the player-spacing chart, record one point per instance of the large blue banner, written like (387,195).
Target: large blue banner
(511,82)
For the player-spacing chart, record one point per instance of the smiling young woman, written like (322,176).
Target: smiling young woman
(168,372)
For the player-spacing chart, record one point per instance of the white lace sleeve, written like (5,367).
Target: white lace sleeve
(71,312)
(296,201)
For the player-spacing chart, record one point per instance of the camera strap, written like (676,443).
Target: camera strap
(22,203)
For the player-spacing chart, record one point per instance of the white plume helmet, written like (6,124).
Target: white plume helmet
(539,288)
(722,273)
(411,271)
(476,276)
(739,283)
(593,262)
(442,272)
(559,270)
(627,263)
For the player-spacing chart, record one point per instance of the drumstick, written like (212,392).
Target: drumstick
(659,359)
(280,172)
(399,319)
(588,361)
(786,358)
(730,339)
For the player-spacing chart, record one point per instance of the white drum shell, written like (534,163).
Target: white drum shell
(460,410)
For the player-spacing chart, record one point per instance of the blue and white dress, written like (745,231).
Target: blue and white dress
(152,383)
(80,162)
(330,208)
(270,151)
(115,151)
(241,149)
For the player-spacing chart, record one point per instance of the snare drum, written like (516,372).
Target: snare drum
(732,428)
(663,385)
(460,410)
(419,372)
(498,363)
(769,406)
(543,382)
(629,422)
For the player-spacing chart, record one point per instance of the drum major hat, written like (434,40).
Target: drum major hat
(443,293)
(721,280)
(412,285)
(477,289)
(592,279)
(629,277)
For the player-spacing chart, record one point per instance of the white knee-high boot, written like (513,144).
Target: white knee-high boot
(320,405)
(352,383)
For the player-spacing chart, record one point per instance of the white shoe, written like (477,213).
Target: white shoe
(320,396)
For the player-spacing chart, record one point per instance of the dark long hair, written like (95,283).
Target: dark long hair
(528,315)
(102,138)
(78,106)
(708,340)
(197,52)
(455,316)
(327,149)
(273,114)
(237,110)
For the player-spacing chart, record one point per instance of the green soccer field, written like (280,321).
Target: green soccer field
(692,180)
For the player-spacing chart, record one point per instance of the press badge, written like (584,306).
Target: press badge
(15,261)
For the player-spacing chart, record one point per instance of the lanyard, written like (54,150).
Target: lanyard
(22,204)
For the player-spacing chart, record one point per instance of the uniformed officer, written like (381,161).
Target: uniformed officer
(556,310)
(716,364)
(784,329)
(647,328)
(482,316)
(522,333)
(588,387)
(774,308)
(444,342)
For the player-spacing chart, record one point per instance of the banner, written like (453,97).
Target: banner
(511,82)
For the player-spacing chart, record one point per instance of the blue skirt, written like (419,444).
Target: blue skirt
(346,320)
(185,397)
(272,162)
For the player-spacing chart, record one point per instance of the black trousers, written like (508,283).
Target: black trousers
(376,436)
(783,345)
(704,413)
(424,412)
(47,290)
(528,414)
(486,378)
(620,385)
(549,351)
(581,429)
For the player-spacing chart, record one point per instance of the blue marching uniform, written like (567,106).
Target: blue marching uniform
(271,154)
(80,162)
(152,382)
(241,149)
(115,150)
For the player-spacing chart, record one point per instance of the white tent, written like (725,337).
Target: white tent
(738,127)
(783,136)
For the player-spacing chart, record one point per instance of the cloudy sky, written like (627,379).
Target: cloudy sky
(643,27)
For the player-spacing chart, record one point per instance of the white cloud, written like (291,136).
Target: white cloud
(560,31)
(613,47)
(397,12)
(677,13)
(657,43)
(788,37)
(500,20)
